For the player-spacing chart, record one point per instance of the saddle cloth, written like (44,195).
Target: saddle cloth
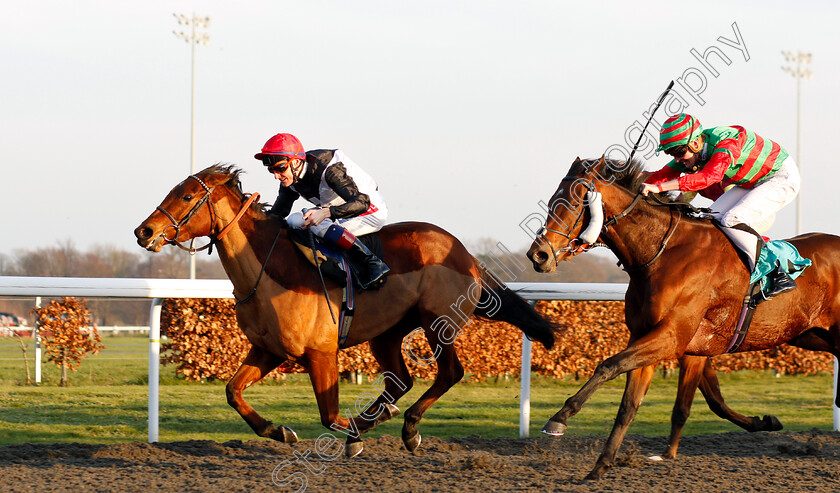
(331,260)
(778,252)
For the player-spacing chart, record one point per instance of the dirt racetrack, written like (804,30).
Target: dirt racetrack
(738,461)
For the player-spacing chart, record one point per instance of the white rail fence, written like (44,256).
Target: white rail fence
(159,289)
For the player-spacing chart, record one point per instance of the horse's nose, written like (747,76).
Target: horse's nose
(143,233)
(539,257)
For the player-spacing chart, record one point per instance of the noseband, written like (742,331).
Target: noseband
(176,225)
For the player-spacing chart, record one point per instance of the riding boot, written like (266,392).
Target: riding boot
(371,270)
(779,282)
(375,269)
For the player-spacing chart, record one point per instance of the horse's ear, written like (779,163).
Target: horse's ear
(601,161)
(577,160)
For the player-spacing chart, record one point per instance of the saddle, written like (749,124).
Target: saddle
(333,262)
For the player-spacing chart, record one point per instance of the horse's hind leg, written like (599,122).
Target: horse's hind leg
(449,373)
(394,382)
(698,371)
(691,371)
(710,387)
(819,339)
(258,363)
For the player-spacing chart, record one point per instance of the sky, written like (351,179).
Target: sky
(467,113)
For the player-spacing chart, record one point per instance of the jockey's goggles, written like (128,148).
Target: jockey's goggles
(275,164)
(677,151)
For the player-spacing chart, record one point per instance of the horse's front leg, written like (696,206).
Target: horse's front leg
(638,383)
(323,374)
(653,348)
(258,363)
(393,382)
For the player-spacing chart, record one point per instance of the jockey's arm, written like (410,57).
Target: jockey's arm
(355,202)
(663,180)
(283,205)
(711,174)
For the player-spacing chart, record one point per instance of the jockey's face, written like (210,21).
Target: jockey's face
(285,173)
(686,154)
(688,159)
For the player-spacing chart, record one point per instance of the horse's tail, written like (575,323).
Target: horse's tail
(497,302)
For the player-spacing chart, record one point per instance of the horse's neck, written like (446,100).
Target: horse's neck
(244,250)
(637,237)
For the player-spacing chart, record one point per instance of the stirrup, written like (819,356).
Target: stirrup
(780,284)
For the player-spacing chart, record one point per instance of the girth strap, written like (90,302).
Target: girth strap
(744,320)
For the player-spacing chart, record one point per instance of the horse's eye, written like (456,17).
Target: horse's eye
(187,197)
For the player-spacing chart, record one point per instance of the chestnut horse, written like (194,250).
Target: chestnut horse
(434,284)
(686,290)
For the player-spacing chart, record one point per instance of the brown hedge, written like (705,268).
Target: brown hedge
(206,343)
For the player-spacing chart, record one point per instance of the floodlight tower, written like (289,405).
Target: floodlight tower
(193,39)
(798,73)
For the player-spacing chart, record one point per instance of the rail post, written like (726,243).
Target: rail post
(154,368)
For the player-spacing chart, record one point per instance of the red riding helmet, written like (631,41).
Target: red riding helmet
(282,145)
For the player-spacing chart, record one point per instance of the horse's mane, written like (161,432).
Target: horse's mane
(232,181)
(627,176)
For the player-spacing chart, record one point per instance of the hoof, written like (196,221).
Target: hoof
(412,442)
(390,411)
(352,449)
(283,434)
(597,473)
(554,428)
(289,435)
(771,423)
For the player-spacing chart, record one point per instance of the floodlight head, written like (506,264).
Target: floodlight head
(182,19)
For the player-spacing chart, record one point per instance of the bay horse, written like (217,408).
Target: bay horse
(434,284)
(685,294)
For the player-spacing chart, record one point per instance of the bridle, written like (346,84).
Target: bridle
(176,225)
(583,247)
(570,246)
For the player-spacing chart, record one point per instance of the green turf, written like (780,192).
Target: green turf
(106,402)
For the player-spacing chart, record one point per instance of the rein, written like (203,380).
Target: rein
(671,230)
(262,270)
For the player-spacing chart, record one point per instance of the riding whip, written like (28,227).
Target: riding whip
(320,274)
(658,104)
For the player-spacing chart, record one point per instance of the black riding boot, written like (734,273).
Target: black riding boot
(780,282)
(373,269)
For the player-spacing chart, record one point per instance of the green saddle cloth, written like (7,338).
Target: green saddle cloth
(778,252)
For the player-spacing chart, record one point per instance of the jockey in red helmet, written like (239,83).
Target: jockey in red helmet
(348,202)
(764,178)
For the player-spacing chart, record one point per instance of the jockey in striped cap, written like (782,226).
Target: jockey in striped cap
(748,177)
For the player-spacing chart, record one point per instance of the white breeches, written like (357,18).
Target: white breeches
(359,225)
(757,206)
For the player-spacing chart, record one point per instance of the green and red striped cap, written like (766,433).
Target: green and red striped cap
(678,130)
